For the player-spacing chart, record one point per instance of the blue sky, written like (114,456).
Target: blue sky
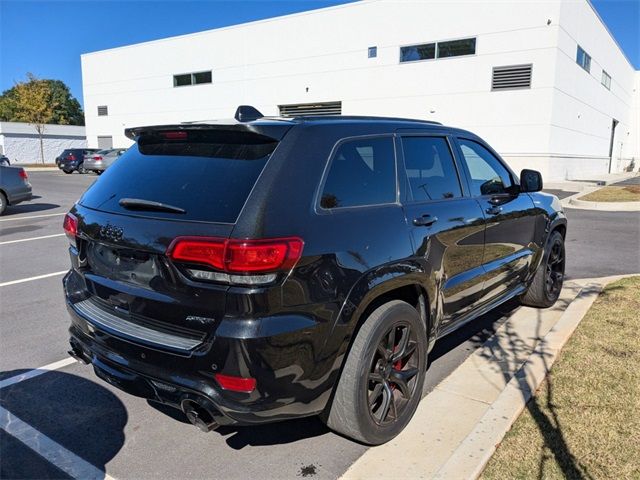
(46,37)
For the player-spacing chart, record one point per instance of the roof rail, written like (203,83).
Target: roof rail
(247,113)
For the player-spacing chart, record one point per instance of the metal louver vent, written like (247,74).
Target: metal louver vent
(511,77)
(306,109)
(103,110)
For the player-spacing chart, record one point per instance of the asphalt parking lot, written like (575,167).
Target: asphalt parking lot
(79,420)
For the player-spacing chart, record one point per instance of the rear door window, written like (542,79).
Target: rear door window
(207,174)
(430,168)
(362,172)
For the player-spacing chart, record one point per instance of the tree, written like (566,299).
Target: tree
(66,112)
(39,102)
(31,102)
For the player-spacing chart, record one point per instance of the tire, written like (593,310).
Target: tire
(68,171)
(81,168)
(3,203)
(370,404)
(547,281)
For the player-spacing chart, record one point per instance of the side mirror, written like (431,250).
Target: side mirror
(530,181)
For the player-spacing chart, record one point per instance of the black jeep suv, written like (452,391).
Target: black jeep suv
(266,269)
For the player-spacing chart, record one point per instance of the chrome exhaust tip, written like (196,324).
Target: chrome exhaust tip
(199,416)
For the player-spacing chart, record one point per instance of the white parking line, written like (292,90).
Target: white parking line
(22,280)
(36,372)
(31,216)
(32,238)
(63,459)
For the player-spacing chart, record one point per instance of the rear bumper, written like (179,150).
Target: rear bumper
(68,165)
(23,195)
(279,358)
(93,166)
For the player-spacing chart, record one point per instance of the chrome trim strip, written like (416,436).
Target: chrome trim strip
(124,328)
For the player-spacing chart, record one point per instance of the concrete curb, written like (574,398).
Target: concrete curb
(470,458)
(603,206)
(40,169)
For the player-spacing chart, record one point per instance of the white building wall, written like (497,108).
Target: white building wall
(583,109)
(322,56)
(20,141)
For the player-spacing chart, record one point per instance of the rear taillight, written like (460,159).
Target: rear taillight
(207,251)
(23,174)
(71,157)
(239,256)
(70,226)
(97,158)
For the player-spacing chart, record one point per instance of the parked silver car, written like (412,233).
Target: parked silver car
(14,186)
(101,160)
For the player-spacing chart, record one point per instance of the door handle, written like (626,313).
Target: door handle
(425,221)
(494,210)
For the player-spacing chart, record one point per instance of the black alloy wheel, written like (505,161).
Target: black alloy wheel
(381,382)
(555,268)
(393,374)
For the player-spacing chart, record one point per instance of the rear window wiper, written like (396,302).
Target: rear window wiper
(141,204)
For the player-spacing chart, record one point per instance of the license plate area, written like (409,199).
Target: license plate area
(122,264)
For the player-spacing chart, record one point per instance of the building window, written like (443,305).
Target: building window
(457,48)
(583,59)
(606,80)
(413,53)
(429,51)
(195,78)
(373,52)
(511,77)
(202,77)
(103,110)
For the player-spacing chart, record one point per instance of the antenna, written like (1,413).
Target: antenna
(247,113)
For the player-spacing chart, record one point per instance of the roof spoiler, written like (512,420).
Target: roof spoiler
(247,113)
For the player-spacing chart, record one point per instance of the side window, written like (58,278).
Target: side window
(488,175)
(363,172)
(430,168)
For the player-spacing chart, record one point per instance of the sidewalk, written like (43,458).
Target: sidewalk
(594,181)
(579,188)
(458,425)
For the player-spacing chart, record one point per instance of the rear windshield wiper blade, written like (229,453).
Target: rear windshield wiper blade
(141,204)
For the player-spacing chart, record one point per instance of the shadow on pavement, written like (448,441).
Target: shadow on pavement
(80,415)
(257,435)
(29,208)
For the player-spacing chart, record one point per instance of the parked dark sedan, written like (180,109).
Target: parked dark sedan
(72,159)
(276,268)
(14,186)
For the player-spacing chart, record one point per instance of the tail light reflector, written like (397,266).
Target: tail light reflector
(23,174)
(236,384)
(71,156)
(239,256)
(70,226)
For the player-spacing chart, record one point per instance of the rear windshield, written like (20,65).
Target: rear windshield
(209,175)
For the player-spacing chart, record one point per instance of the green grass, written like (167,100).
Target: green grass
(612,193)
(584,421)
